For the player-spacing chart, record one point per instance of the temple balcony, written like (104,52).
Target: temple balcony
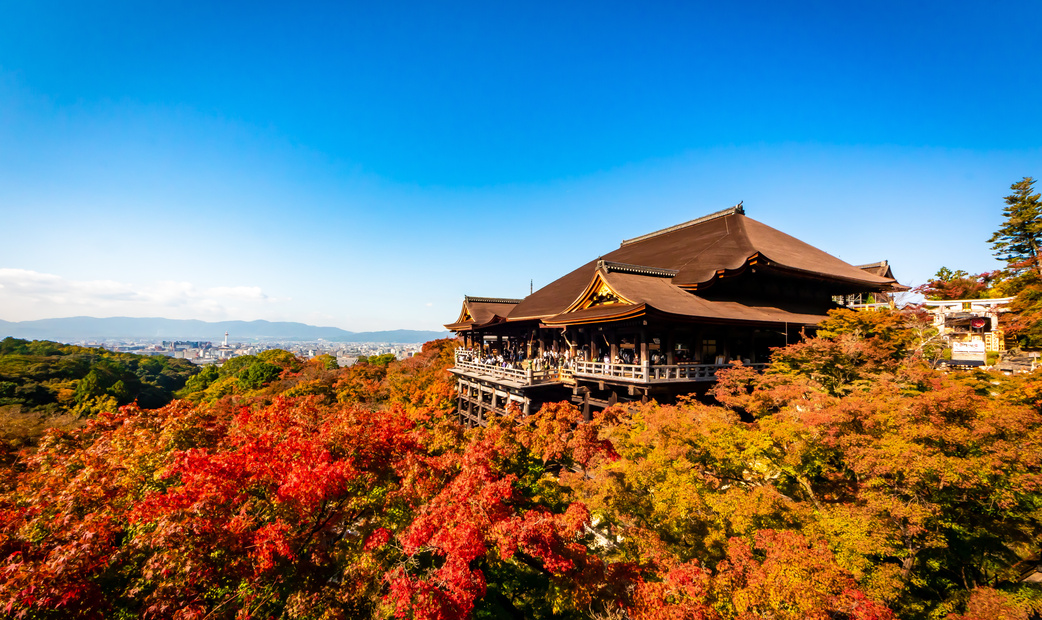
(518,377)
(651,374)
(531,374)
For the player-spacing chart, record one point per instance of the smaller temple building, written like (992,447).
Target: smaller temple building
(654,318)
(970,327)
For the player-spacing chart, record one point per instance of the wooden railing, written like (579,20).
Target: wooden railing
(652,374)
(637,373)
(526,376)
(633,372)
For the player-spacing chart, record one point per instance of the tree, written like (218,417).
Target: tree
(200,382)
(257,375)
(1019,240)
(1019,243)
(325,360)
(948,284)
(281,358)
(376,360)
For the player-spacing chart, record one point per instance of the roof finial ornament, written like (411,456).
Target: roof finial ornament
(738,208)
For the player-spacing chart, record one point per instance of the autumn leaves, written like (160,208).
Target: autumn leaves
(851,480)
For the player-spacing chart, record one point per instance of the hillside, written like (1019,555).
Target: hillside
(47,384)
(851,480)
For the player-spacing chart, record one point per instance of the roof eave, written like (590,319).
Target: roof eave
(758,260)
(626,314)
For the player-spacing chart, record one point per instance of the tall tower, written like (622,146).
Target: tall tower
(225,339)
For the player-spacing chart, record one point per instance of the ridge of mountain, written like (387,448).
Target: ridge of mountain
(155,328)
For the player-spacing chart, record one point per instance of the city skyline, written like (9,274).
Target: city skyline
(364,167)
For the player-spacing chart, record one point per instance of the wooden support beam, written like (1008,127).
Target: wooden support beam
(644,346)
(614,350)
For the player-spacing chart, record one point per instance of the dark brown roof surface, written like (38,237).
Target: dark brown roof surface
(658,293)
(696,251)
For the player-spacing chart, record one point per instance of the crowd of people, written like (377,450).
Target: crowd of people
(515,358)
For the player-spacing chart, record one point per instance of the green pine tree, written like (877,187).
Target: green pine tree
(1019,240)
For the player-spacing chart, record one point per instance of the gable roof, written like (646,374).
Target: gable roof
(882,269)
(638,292)
(694,254)
(482,311)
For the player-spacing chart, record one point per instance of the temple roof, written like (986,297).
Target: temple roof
(626,293)
(882,269)
(663,268)
(481,311)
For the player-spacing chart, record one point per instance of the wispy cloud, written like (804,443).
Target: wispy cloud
(26,295)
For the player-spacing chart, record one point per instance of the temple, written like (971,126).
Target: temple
(655,318)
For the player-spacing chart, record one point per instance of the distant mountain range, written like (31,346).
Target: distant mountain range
(78,328)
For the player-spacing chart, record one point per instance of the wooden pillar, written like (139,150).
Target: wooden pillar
(586,404)
(614,350)
(696,346)
(645,354)
(671,346)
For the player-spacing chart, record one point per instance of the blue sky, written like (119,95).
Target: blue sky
(365,165)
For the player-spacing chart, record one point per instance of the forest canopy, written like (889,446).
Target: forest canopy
(45,383)
(850,480)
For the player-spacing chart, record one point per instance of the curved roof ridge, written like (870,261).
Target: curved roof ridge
(738,208)
(491,300)
(641,270)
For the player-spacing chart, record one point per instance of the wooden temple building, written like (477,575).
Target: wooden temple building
(655,318)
